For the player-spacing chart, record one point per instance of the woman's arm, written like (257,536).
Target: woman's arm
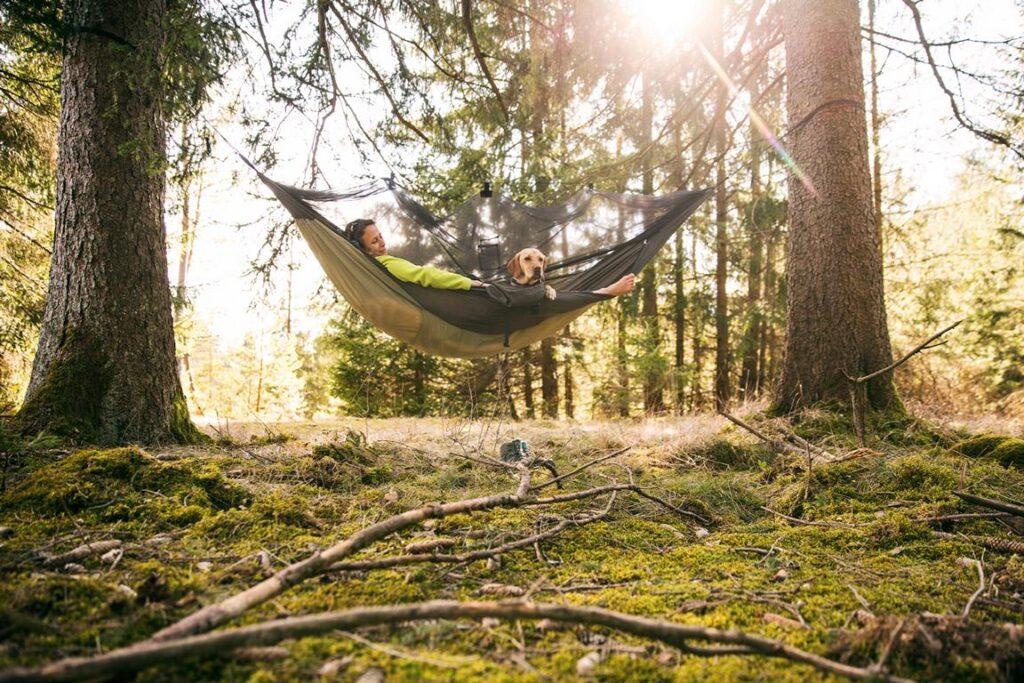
(425,276)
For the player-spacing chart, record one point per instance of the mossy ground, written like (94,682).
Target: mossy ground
(200,523)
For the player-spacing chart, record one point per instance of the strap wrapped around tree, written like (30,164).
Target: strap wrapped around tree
(592,240)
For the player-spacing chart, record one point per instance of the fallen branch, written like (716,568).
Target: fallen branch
(143,655)
(323,561)
(472,556)
(214,615)
(964,515)
(1009,508)
(776,444)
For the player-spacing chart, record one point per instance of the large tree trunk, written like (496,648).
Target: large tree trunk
(836,319)
(105,367)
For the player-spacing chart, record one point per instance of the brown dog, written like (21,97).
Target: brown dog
(527,268)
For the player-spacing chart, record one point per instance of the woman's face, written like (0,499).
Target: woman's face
(373,241)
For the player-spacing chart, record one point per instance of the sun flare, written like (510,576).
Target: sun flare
(666,21)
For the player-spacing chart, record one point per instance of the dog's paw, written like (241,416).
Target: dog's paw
(550,293)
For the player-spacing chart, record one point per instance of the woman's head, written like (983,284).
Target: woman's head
(364,233)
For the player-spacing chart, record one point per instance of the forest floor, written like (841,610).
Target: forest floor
(859,572)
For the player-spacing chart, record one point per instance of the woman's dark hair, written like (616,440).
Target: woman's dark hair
(354,231)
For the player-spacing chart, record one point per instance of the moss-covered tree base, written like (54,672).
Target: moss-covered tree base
(73,401)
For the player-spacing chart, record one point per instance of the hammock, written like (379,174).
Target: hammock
(592,240)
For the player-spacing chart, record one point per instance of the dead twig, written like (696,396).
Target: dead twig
(595,461)
(805,522)
(967,562)
(1002,506)
(913,352)
(858,385)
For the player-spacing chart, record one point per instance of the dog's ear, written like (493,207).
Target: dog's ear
(514,267)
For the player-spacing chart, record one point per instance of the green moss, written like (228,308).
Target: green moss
(1006,450)
(722,453)
(123,483)
(352,450)
(921,473)
(1010,452)
(285,509)
(181,429)
(642,560)
(978,446)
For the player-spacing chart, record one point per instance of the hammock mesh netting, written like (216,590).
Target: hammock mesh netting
(591,240)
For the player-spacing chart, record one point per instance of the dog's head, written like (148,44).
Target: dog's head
(527,266)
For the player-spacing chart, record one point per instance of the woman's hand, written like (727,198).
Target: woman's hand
(476,283)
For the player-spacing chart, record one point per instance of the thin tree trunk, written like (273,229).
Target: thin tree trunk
(749,372)
(679,320)
(679,289)
(538,119)
(721,231)
(766,347)
(622,320)
(105,368)
(836,320)
(549,378)
(570,384)
(698,329)
(654,399)
(528,385)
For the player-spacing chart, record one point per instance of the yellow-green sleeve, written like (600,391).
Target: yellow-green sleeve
(425,276)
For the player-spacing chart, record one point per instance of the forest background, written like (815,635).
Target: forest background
(621,96)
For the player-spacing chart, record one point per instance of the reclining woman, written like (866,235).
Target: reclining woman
(364,233)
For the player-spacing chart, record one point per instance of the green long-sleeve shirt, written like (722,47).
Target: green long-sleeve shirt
(425,276)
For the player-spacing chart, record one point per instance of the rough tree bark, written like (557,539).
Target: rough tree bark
(876,123)
(836,321)
(105,367)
